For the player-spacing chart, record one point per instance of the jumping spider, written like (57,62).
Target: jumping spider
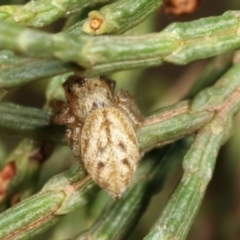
(101,129)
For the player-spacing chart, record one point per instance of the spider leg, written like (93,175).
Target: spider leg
(61,113)
(125,102)
(73,139)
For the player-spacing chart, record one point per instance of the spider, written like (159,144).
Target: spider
(101,130)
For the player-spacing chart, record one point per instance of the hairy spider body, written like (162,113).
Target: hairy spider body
(101,129)
(113,147)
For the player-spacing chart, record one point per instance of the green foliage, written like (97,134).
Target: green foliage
(191,130)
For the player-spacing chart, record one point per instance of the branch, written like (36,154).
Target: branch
(119,16)
(199,162)
(43,12)
(15,70)
(20,173)
(29,122)
(179,43)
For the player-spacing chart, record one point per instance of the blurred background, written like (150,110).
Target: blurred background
(153,88)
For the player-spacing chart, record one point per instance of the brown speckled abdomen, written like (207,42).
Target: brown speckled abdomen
(109,149)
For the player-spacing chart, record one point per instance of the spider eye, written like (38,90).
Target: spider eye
(80,81)
(74,80)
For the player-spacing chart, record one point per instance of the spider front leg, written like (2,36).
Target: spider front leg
(111,84)
(125,102)
(61,113)
(73,134)
(63,116)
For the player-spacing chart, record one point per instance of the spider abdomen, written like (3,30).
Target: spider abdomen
(109,149)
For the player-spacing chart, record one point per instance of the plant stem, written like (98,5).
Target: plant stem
(199,162)
(179,43)
(44,12)
(119,16)
(24,164)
